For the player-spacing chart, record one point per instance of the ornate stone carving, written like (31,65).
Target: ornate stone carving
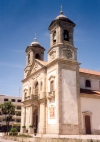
(67,53)
(52,54)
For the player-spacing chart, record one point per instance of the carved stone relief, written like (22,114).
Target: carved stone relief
(67,53)
(52,55)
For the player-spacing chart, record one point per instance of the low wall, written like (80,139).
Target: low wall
(20,139)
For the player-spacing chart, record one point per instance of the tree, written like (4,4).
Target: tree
(8,109)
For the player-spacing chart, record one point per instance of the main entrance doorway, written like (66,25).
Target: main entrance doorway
(87,124)
(35,120)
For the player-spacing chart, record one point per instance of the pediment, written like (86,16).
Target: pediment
(35,66)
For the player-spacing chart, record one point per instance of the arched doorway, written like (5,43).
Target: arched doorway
(87,124)
(35,120)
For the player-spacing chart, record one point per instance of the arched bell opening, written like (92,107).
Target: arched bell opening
(37,56)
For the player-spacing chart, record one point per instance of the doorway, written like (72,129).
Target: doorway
(35,120)
(87,124)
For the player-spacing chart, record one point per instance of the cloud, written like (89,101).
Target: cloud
(11,65)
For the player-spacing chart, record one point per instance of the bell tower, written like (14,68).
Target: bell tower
(61,38)
(34,51)
(62,56)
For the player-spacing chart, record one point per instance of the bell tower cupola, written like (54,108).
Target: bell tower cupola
(34,51)
(62,38)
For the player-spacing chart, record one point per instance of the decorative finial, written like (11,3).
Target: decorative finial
(35,38)
(61,12)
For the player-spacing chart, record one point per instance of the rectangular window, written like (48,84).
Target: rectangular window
(18,100)
(5,99)
(18,107)
(87,83)
(18,120)
(13,100)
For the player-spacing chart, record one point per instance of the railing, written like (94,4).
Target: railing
(34,97)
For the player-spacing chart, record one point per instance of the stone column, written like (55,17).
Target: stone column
(42,123)
(23,119)
(31,120)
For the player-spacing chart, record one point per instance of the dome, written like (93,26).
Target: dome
(61,15)
(35,42)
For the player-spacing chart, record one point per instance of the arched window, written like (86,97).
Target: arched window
(25,95)
(52,86)
(41,85)
(87,83)
(28,58)
(37,56)
(54,37)
(36,89)
(30,91)
(66,35)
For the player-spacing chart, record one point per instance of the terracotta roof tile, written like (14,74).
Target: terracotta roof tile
(89,71)
(42,62)
(87,91)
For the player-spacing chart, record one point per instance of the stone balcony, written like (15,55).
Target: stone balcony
(33,97)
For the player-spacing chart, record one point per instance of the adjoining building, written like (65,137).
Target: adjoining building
(58,96)
(16,120)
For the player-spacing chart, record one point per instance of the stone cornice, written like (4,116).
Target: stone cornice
(61,45)
(50,64)
(34,73)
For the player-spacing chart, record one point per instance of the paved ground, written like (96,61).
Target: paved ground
(3,140)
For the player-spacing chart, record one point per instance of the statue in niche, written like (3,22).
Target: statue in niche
(52,112)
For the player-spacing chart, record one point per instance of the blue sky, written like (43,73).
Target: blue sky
(20,20)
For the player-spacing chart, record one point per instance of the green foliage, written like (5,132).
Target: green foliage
(91,140)
(13,132)
(23,135)
(23,126)
(30,126)
(8,109)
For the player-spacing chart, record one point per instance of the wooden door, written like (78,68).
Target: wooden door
(87,124)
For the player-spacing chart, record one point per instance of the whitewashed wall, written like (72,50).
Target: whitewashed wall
(95,83)
(91,105)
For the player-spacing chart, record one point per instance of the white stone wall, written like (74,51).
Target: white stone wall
(91,105)
(53,102)
(69,97)
(95,83)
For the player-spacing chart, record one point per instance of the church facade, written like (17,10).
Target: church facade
(58,96)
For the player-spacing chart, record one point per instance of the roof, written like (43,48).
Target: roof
(87,91)
(42,62)
(89,71)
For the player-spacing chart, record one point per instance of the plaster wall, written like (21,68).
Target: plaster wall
(69,97)
(95,83)
(91,105)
